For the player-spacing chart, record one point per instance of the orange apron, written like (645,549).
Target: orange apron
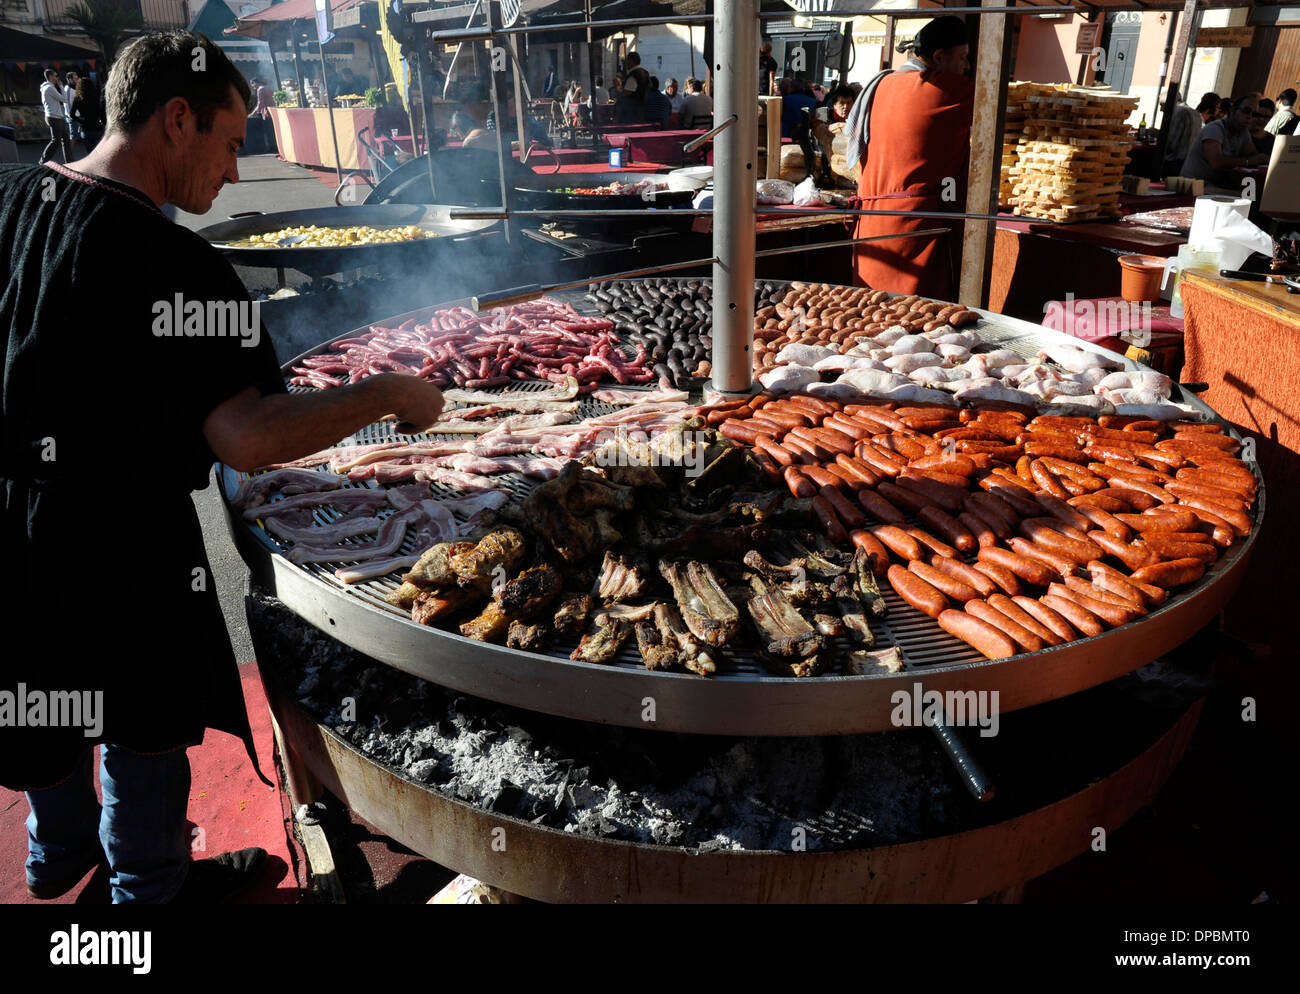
(916,161)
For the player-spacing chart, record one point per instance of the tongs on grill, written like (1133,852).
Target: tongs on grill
(972,774)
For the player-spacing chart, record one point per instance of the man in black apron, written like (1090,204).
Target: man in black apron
(133,359)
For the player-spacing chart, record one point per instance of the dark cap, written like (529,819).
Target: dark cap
(942,33)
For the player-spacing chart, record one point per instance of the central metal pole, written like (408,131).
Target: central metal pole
(735,69)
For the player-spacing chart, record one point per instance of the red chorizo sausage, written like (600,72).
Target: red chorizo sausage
(1075,613)
(1018,633)
(968,575)
(951,586)
(854,469)
(1175,573)
(877,554)
(799,484)
(917,592)
(1052,620)
(980,635)
(831,524)
(1060,565)
(844,509)
(1002,577)
(979,529)
(1008,607)
(928,541)
(948,527)
(879,508)
(899,542)
(1030,570)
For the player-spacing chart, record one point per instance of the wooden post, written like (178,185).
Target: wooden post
(887,55)
(992,58)
(772,121)
(297,64)
(1174,79)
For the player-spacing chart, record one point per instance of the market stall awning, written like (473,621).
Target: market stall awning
(560,14)
(19,46)
(257,25)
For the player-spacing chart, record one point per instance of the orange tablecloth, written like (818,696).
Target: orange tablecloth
(1243,339)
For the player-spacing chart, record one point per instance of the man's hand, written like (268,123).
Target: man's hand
(419,405)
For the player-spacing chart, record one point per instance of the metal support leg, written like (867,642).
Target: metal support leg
(735,69)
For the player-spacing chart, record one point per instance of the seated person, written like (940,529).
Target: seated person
(1259,135)
(1223,145)
(658,108)
(697,108)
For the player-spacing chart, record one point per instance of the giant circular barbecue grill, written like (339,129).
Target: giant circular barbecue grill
(745,699)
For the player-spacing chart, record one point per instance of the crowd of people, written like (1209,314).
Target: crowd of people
(1224,133)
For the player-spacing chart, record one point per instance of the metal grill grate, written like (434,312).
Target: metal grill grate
(921,641)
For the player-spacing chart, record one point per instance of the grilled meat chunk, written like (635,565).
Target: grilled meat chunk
(865,583)
(571,615)
(713,543)
(520,599)
(619,580)
(704,606)
(631,613)
(864,662)
(547,511)
(658,652)
(432,569)
(855,620)
(829,625)
(522,635)
(602,643)
(692,653)
(498,552)
(531,591)
(800,666)
(783,630)
(434,605)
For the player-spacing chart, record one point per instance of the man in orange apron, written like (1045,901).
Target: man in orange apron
(910,131)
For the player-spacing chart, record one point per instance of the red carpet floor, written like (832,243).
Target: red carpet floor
(228,803)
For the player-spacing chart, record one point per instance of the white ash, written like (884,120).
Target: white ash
(701,792)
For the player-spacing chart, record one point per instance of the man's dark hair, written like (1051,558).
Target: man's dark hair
(632,59)
(156,68)
(600,81)
(840,92)
(51,72)
(1287,96)
(1239,102)
(1208,102)
(940,34)
(654,82)
(1266,104)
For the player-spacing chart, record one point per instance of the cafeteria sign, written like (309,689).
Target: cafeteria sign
(1234,37)
(1086,40)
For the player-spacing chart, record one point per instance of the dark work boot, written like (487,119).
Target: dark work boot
(222,878)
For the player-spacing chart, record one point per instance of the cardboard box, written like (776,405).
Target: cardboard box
(1281,196)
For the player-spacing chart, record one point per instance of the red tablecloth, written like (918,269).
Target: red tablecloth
(652,146)
(1100,318)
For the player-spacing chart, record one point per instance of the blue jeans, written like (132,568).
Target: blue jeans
(141,825)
